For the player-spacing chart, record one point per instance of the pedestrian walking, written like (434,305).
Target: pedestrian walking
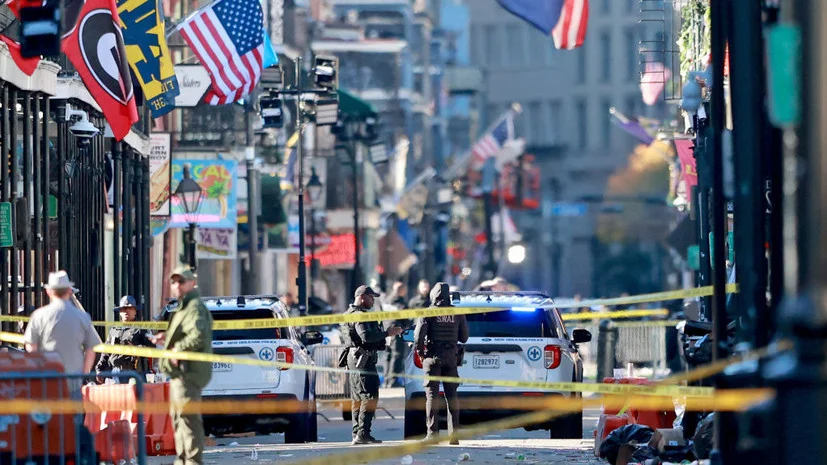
(190,330)
(136,337)
(363,341)
(62,328)
(423,296)
(398,347)
(436,340)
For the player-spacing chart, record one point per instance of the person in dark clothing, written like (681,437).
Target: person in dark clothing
(398,347)
(423,297)
(364,340)
(436,341)
(124,336)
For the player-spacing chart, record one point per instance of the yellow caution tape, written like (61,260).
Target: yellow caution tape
(648,298)
(14,338)
(412,314)
(614,315)
(628,324)
(723,400)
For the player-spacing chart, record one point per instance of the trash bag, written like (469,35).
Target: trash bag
(702,441)
(628,434)
(643,453)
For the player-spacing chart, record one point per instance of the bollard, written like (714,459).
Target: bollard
(606,349)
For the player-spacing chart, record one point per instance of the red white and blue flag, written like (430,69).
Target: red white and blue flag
(492,143)
(565,20)
(228,38)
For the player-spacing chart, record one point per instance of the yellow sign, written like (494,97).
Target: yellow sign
(142,23)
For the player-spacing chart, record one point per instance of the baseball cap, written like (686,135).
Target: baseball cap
(127,301)
(365,290)
(184,272)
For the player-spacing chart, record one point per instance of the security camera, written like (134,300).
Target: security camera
(82,129)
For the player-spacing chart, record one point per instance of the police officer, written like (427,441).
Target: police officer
(123,336)
(436,341)
(364,340)
(190,330)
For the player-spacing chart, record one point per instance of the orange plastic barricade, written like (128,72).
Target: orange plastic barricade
(117,402)
(40,435)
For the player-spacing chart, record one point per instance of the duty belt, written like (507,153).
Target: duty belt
(444,344)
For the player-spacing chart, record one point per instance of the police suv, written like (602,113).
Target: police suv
(525,341)
(247,382)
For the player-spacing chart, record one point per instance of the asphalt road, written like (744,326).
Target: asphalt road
(500,447)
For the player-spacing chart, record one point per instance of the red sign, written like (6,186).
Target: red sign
(340,251)
(686,153)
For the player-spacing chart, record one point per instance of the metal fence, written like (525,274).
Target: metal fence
(643,346)
(330,386)
(42,436)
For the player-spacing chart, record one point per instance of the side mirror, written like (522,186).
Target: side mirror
(579,336)
(408,335)
(312,337)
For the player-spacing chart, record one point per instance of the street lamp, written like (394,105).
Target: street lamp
(314,188)
(190,194)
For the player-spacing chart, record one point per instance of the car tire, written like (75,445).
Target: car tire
(414,421)
(296,432)
(312,427)
(567,427)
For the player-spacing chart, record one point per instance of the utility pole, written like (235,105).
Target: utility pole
(252,284)
(719,311)
(798,83)
(356,159)
(489,175)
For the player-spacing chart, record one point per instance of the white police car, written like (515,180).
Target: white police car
(245,382)
(526,341)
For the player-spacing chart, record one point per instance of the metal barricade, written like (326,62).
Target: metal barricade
(330,386)
(49,423)
(642,345)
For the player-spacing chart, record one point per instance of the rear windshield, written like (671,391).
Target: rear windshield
(245,334)
(510,323)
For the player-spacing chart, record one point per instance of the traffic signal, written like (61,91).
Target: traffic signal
(326,71)
(39,28)
(369,129)
(271,110)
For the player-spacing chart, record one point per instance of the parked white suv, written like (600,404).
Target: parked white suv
(528,341)
(246,382)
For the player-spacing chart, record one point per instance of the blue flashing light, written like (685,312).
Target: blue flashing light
(523,309)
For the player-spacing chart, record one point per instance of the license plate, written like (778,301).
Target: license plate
(222,366)
(487,361)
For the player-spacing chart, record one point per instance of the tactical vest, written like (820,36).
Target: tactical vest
(443,329)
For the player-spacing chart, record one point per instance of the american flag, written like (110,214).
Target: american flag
(570,31)
(492,143)
(228,38)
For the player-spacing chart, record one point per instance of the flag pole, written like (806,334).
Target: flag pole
(181,23)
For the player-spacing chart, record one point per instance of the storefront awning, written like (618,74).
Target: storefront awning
(353,106)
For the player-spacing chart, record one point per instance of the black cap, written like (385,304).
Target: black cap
(365,290)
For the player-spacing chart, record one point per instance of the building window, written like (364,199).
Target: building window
(477,52)
(581,64)
(605,124)
(492,46)
(606,6)
(537,123)
(630,107)
(582,122)
(632,72)
(492,113)
(631,5)
(555,121)
(606,56)
(515,45)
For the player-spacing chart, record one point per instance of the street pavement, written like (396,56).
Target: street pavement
(500,447)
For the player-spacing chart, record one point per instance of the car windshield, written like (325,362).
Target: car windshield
(245,334)
(510,323)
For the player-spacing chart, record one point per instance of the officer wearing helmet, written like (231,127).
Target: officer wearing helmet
(436,341)
(128,311)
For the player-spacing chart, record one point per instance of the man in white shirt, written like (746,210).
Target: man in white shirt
(62,328)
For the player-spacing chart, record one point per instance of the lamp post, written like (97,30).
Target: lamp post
(314,189)
(190,194)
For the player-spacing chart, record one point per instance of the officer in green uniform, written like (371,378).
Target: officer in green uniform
(364,340)
(190,330)
(436,340)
